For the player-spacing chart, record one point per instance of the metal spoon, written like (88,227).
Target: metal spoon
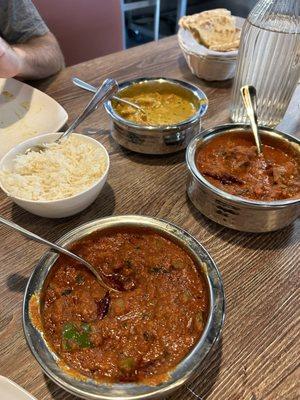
(32,236)
(84,85)
(249,99)
(102,94)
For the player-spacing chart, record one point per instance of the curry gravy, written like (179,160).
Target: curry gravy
(164,104)
(230,162)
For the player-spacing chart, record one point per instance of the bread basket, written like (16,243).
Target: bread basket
(208,64)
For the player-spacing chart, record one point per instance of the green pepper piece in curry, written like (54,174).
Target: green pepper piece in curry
(74,337)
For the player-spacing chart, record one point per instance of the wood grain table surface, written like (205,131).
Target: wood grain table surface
(258,356)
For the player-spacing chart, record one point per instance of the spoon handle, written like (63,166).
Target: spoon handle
(36,238)
(32,236)
(102,94)
(249,98)
(84,85)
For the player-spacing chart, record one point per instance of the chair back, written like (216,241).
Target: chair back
(85,29)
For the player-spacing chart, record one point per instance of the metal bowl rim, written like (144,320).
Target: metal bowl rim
(209,134)
(214,322)
(186,85)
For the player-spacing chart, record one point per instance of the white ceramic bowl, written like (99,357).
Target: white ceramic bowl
(55,208)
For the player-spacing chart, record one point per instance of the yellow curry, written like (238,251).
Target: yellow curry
(162,106)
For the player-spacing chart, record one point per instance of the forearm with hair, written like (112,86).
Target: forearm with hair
(39,57)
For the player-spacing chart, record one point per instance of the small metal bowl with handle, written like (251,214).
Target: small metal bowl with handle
(164,139)
(90,389)
(238,212)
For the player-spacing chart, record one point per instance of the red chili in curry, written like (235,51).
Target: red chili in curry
(137,335)
(230,162)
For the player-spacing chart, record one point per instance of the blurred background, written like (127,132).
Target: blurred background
(88,29)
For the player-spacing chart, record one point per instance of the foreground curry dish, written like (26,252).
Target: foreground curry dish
(138,334)
(166,105)
(230,162)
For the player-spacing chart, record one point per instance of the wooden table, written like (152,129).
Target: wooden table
(258,356)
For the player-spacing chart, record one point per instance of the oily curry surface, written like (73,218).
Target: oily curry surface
(138,334)
(161,107)
(230,162)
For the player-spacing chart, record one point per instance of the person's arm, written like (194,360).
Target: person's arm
(38,58)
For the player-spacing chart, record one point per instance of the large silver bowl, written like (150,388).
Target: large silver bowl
(233,211)
(163,139)
(89,389)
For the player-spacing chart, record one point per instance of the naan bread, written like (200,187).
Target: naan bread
(215,29)
(192,20)
(228,46)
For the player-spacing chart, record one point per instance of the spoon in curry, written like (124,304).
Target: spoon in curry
(32,236)
(84,85)
(249,99)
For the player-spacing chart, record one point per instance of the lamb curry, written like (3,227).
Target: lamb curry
(230,162)
(138,334)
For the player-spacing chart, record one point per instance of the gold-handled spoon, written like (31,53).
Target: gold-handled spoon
(249,98)
(58,249)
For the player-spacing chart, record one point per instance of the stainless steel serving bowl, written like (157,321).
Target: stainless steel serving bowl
(163,139)
(233,211)
(89,389)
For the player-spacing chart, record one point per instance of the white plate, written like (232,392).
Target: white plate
(26,112)
(9,390)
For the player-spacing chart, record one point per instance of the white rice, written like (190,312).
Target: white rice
(61,171)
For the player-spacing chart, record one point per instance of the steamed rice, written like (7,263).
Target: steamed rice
(61,171)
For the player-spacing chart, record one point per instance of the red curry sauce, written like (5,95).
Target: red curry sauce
(230,162)
(137,335)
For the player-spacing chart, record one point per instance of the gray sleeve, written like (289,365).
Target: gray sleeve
(20,21)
